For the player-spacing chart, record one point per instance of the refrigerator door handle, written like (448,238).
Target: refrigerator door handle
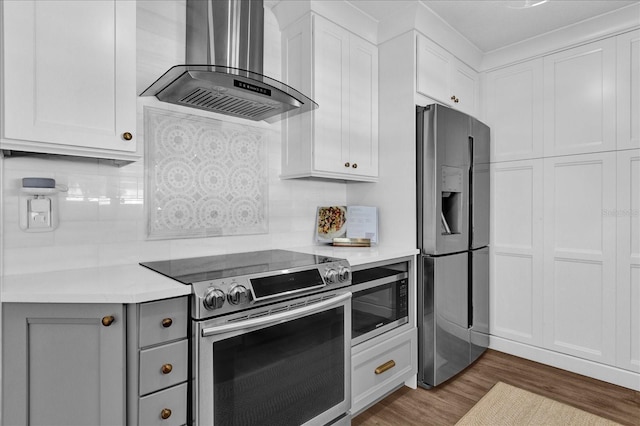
(470,279)
(471,194)
(471,152)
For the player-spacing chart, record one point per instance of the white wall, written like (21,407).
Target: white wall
(102,217)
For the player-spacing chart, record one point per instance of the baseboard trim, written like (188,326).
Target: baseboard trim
(606,373)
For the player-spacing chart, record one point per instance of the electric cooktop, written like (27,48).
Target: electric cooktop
(231,282)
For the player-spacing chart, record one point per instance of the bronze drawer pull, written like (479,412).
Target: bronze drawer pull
(165,413)
(166,368)
(108,320)
(386,366)
(166,323)
(127,136)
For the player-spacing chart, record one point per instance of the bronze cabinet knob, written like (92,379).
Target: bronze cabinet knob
(166,368)
(166,322)
(355,166)
(127,136)
(165,413)
(347,164)
(108,320)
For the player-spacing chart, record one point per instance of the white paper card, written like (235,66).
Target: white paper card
(362,222)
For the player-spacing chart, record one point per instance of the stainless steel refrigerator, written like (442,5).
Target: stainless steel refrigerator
(453,238)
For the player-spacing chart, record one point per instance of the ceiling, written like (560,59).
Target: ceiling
(490,25)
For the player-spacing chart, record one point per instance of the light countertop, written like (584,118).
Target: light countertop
(359,255)
(109,284)
(136,284)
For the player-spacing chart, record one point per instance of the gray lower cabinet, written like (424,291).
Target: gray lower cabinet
(63,364)
(157,360)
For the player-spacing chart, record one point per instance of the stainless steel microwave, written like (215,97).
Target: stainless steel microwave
(380,302)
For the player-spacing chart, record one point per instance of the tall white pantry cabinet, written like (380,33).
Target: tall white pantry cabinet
(566,202)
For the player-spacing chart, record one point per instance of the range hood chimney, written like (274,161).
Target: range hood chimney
(223,74)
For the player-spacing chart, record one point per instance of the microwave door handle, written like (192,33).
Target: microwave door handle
(278,318)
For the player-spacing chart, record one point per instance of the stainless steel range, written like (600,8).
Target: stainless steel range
(271,337)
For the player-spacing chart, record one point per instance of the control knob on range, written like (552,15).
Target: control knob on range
(238,295)
(331,276)
(213,299)
(344,274)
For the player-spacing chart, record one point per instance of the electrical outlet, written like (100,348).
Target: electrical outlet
(39,213)
(38,204)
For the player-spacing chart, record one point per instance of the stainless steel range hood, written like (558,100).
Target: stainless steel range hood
(223,73)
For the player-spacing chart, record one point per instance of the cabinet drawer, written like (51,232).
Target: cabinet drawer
(162,321)
(163,366)
(170,403)
(382,367)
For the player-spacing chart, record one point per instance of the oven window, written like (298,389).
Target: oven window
(285,374)
(377,306)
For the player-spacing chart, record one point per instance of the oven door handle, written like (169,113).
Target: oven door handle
(278,318)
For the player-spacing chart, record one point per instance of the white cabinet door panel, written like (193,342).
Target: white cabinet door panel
(579,256)
(515,111)
(363,107)
(577,303)
(627,214)
(579,99)
(513,311)
(69,73)
(514,206)
(296,67)
(516,262)
(433,73)
(628,92)
(465,88)
(331,59)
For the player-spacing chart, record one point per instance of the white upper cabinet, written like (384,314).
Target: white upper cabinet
(433,73)
(444,78)
(580,99)
(628,90)
(69,77)
(340,72)
(514,111)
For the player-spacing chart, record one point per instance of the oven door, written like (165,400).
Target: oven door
(277,365)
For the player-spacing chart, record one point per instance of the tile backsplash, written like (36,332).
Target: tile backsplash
(103,216)
(205,177)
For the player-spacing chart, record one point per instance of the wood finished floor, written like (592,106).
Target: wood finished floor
(446,404)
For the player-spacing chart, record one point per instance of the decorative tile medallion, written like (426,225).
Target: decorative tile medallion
(205,177)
